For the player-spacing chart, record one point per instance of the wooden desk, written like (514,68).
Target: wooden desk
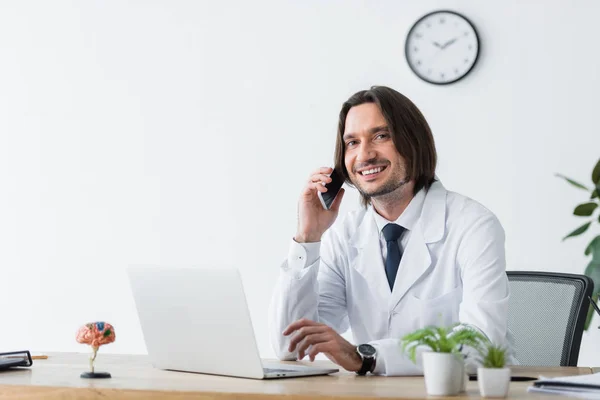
(134,378)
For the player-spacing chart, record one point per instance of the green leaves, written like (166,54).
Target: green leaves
(593,271)
(585,209)
(494,356)
(425,336)
(590,314)
(596,174)
(579,230)
(594,247)
(572,182)
(441,339)
(596,180)
(469,337)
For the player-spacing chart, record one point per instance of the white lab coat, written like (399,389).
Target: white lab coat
(452,270)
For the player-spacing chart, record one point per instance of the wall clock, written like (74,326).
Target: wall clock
(442,47)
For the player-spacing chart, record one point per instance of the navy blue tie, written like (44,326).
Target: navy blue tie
(392,233)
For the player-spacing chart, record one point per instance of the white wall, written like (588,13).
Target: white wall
(161,132)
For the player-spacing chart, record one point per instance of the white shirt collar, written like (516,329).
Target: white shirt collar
(408,218)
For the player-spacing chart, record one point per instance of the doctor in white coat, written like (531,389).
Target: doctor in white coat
(447,266)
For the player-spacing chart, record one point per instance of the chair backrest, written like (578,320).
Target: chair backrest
(546,316)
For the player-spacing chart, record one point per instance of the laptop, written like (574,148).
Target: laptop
(196,319)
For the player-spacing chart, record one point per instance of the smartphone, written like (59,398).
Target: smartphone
(333,187)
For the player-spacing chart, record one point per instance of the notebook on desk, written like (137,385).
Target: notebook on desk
(583,386)
(15,359)
(197,320)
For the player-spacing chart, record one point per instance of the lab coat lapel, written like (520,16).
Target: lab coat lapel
(416,259)
(369,261)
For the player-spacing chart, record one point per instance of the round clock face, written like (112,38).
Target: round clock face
(442,47)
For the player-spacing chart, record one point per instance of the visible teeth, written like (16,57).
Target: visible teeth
(372,171)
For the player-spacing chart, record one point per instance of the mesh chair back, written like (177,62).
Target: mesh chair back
(546,316)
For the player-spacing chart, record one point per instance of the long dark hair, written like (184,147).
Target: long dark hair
(409,129)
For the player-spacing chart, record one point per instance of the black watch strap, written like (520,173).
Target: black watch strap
(367,365)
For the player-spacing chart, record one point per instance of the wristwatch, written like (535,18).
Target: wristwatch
(368,354)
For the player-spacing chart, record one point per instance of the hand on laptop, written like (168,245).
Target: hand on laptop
(320,338)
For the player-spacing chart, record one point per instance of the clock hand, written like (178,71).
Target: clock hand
(448,43)
(436,44)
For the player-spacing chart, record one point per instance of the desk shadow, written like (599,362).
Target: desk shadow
(15,370)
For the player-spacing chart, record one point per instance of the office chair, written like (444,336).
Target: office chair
(546,316)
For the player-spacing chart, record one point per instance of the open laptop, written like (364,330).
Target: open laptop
(196,320)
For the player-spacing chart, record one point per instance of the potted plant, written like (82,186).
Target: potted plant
(587,209)
(493,377)
(443,364)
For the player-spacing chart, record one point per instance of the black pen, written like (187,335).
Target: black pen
(594,305)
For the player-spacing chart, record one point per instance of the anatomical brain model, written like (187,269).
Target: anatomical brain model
(95,334)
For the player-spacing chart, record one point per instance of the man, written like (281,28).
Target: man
(415,255)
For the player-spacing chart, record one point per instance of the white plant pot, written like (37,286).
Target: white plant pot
(444,373)
(493,382)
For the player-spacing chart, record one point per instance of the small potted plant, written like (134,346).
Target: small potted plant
(443,364)
(493,377)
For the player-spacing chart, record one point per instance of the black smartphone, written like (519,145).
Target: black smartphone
(333,187)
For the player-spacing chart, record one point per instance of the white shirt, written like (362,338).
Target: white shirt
(407,220)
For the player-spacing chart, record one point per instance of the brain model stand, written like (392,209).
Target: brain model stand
(95,334)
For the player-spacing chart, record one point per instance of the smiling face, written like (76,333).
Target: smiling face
(384,146)
(373,163)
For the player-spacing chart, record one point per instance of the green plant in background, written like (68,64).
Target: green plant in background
(587,210)
(441,339)
(493,356)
